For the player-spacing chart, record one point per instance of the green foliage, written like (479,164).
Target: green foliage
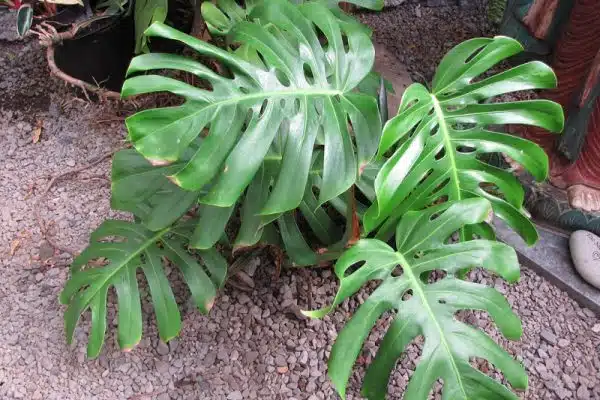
(282,128)
(24,19)
(290,98)
(132,247)
(438,138)
(221,17)
(145,13)
(435,183)
(422,247)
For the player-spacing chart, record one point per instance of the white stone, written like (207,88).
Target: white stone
(392,3)
(585,252)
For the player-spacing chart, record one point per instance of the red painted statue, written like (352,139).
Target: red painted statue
(575,156)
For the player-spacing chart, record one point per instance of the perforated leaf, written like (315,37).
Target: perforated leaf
(221,16)
(303,89)
(437,140)
(428,309)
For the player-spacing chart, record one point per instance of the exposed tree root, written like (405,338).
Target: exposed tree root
(49,36)
(44,227)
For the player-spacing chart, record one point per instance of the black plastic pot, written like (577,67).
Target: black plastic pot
(99,54)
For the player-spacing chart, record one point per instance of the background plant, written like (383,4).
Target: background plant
(281,125)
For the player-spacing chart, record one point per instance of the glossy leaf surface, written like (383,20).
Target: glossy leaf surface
(436,142)
(302,90)
(221,16)
(110,264)
(428,309)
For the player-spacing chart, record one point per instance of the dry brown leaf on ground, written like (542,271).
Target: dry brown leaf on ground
(37,131)
(14,245)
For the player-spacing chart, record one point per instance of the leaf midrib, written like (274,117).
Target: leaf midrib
(418,290)
(134,254)
(447,139)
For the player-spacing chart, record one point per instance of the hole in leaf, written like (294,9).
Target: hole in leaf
(283,79)
(263,108)
(425,176)
(434,130)
(296,106)
(455,107)
(436,215)
(433,276)
(440,154)
(244,90)
(353,268)
(315,191)
(474,54)
(465,149)
(450,93)
(463,126)
(308,73)
(412,131)
(407,295)
(438,200)
(320,35)
(346,44)
(441,186)
(263,63)
(248,119)
(397,271)
(441,301)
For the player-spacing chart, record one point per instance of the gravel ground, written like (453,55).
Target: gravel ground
(253,345)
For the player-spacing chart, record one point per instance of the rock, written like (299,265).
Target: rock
(161,366)
(563,343)
(282,370)
(596,328)
(45,251)
(583,393)
(393,3)
(548,336)
(585,252)
(162,348)
(568,382)
(280,360)
(418,12)
(243,298)
(251,356)
(223,355)
(237,395)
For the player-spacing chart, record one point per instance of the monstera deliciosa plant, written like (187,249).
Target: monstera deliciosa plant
(281,132)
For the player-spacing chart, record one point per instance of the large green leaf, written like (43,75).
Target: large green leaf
(304,89)
(145,13)
(221,16)
(422,246)
(438,138)
(144,190)
(133,247)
